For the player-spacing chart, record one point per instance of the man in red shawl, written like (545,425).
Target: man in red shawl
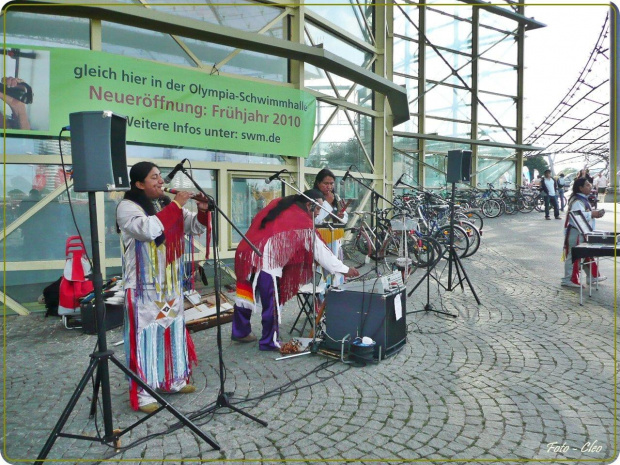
(282,232)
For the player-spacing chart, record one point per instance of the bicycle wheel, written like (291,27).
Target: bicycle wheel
(510,206)
(395,256)
(539,203)
(525,206)
(461,240)
(475,218)
(426,251)
(356,250)
(491,208)
(474,237)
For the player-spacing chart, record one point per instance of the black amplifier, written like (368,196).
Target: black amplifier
(113,318)
(381,317)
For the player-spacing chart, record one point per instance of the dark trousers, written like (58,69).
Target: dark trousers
(554,201)
(562,199)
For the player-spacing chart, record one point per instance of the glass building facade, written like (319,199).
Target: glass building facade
(461,67)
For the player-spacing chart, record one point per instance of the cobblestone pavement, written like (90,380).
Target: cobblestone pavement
(528,374)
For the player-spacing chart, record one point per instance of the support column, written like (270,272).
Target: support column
(421,97)
(382,125)
(520,96)
(614,108)
(475,55)
(296,75)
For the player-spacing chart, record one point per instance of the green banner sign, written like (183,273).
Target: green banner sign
(174,106)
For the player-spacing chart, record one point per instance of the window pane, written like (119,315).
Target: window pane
(446,31)
(448,128)
(407,20)
(406,160)
(248,197)
(315,78)
(26,286)
(496,172)
(46,30)
(141,43)
(500,46)
(435,170)
(504,109)
(239,14)
(406,57)
(495,77)
(28,186)
(339,147)
(337,46)
(459,10)
(448,102)
(496,134)
(438,70)
(444,146)
(355,20)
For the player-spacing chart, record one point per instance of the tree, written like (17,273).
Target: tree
(536,163)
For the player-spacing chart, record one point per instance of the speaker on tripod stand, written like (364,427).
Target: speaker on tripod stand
(99,164)
(459,170)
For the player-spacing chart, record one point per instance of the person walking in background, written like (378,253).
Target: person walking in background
(157,345)
(578,202)
(549,188)
(561,188)
(600,183)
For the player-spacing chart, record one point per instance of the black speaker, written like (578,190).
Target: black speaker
(361,314)
(98,151)
(113,317)
(459,166)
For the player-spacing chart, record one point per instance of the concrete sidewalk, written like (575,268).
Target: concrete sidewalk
(528,374)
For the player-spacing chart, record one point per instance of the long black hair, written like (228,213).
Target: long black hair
(138,173)
(289,201)
(577,185)
(324,173)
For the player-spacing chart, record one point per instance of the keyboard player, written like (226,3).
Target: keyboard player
(578,202)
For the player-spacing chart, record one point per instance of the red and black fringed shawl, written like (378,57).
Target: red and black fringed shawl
(291,240)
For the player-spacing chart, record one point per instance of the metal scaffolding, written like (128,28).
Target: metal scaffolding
(579,126)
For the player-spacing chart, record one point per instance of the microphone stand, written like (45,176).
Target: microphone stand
(374,207)
(223,400)
(313,348)
(428,307)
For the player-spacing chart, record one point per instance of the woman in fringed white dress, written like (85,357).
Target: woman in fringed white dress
(157,345)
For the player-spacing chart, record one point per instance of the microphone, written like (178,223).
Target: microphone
(346,175)
(399,179)
(274,176)
(175,170)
